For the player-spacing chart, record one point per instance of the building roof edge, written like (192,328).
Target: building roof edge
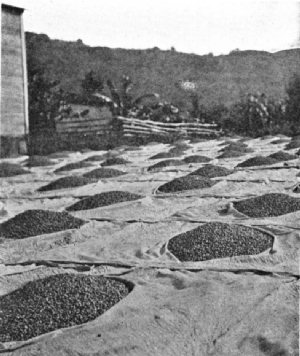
(12,8)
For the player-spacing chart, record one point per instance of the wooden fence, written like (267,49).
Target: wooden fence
(98,129)
(133,127)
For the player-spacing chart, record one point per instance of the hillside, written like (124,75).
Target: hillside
(221,79)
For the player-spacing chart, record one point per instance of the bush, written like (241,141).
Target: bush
(92,83)
(45,98)
(293,104)
(254,115)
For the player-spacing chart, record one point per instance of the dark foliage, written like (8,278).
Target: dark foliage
(92,83)
(220,79)
(293,103)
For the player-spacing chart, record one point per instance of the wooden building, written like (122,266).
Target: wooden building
(14,92)
(97,121)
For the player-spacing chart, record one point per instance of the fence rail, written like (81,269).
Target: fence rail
(132,127)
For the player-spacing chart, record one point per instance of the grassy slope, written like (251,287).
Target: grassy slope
(221,79)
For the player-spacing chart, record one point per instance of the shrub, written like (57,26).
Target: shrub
(293,104)
(92,83)
(254,115)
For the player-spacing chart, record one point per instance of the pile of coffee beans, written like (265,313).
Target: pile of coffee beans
(186,183)
(166,155)
(39,161)
(67,182)
(56,302)
(99,173)
(219,240)
(258,161)
(113,161)
(166,163)
(96,158)
(211,171)
(282,156)
(231,154)
(38,222)
(267,205)
(295,143)
(196,159)
(103,199)
(11,169)
(71,166)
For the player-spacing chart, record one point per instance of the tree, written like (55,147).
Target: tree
(121,101)
(293,102)
(190,88)
(92,83)
(45,99)
(236,50)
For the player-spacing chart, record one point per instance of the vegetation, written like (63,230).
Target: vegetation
(221,80)
(293,104)
(121,102)
(204,98)
(253,115)
(92,83)
(190,89)
(45,99)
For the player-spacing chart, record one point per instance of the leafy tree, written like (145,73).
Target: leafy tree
(195,112)
(45,99)
(234,51)
(92,83)
(254,115)
(121,101)
(190,87)
(293,102)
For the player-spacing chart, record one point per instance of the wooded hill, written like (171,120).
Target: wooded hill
(221,79)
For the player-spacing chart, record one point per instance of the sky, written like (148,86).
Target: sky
(192,26)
